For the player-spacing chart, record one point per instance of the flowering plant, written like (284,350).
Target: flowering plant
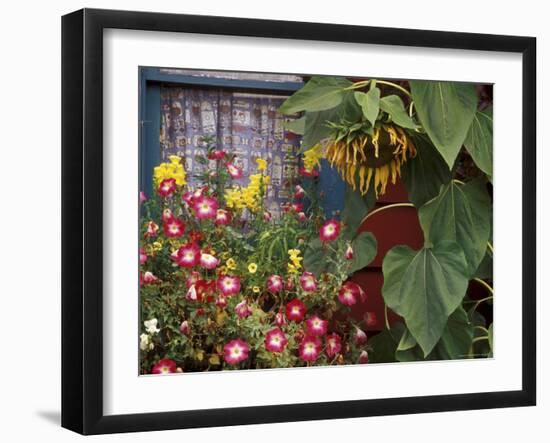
(226,285)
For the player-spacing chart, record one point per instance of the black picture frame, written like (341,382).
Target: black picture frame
(82,220)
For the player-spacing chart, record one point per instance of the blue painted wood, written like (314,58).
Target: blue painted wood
(332,188)
(150,154)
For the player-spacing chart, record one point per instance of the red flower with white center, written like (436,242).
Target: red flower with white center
(299,192)
(208,261)
(360,337)
(234,171)
(223,217)
(164,366)
(364,357)
(187,198)
(221,301)
(142,197)
(174,227)
(310,348)
(301,216)
(167,187)
(205,207)
(149,278)
(308,282)
(229,285)
(274,284)
(142,256)
(295,310)
(187,255)
(334,345)
(192,294)
(348,293)
(152,229)
(216,155)
(280,319)
(349,253)
(275,340)
(184,327)
(167,215)
(243,310)
(330,230)
(235,351)
(316,326)
(308,173)
(370,319)
(193,278)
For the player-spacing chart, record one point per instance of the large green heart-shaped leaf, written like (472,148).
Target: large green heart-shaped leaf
(460,213)
(370,104)
(315,257)
(425,287)
(446,110)
(454,343)
(318,94)
(316,128)
(479,141)
(297,126)
(425,173)
(383,345)
(364,250)
(356,208)
(393,105)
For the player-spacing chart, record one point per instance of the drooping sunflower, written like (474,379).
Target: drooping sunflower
(362,154)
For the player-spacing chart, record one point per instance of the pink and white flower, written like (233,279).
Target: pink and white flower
(349,253)
(299,192)
(142,256)
(229,285)
(235,351)
(167,215)
(301,216)
(348,293)
(360,337)
(364,357)
(142,197)
(275,284)
(330,230)
(309,348)
(221,301)
(208,261)
(308,282)
(184,327)
(173,227)
(223,217)
(192,294)
(243,309)
(187,255)
(164,366)
(234,171)
(280,319)
(193,278)
(152,229)
(167,187)
(149,278)
(316,325)
(275,340)
(216,155)
(295,310)
(333,345)
(205,207)
(289,284)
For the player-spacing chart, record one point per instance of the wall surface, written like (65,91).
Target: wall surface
(30,222)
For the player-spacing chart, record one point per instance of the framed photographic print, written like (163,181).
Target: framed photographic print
(270,221)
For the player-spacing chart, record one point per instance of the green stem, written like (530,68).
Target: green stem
(386,317)
(475,340)
(484,284)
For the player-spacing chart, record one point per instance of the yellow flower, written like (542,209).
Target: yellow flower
(230,263)
(252,268)
(172,169)
(262,164)
(256,289)
(312,158)
(292,269)
(157,246)
(295,261)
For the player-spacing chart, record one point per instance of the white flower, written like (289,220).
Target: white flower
(151,326)
(145,342)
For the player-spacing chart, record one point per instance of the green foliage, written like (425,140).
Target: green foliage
(356,208)
(425,287)
(479,141)
(370,104)
(425,173)
(393,106)
(460,213)
(364,250)
(446,111)
(318,94)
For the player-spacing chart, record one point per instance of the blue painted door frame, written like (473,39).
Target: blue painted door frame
(150,80)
